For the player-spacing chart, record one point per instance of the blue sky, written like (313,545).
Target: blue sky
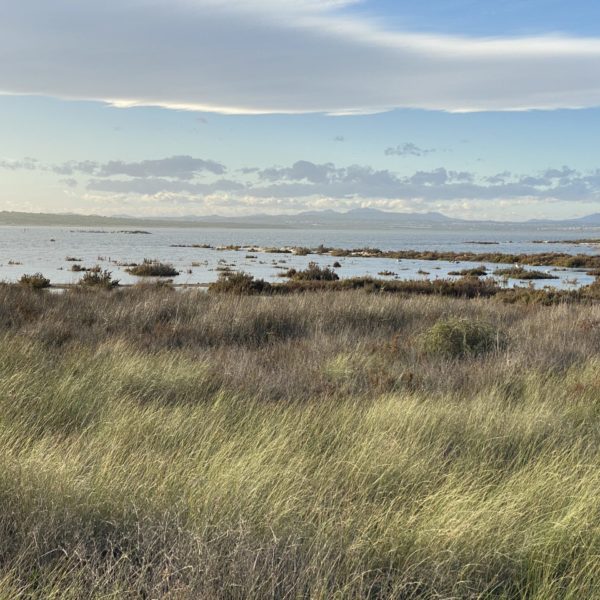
(491,17)
(473,109)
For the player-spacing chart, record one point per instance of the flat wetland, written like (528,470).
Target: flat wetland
(200,255)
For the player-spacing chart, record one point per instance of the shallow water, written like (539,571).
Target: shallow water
(45,249)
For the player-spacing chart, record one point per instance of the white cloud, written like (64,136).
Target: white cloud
(408,149)
(288,56)
(193,180)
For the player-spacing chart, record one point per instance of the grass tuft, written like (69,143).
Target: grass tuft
(457,337)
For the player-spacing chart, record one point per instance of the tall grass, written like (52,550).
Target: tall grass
(183,445)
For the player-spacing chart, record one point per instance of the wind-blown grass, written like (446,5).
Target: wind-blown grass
(185,445)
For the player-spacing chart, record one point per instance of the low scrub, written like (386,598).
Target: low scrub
(97,278)
(36,281)
(313,272)
(465,287)
(153,268)
(230,282)
(477,272)
(456,337)
(524,274)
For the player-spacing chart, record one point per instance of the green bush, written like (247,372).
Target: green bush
(153,268)
(313,273)
(456,337)
(98,278)
(36,281)
(230,282)
(523,274)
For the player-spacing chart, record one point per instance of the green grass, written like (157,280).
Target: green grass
(160,444)
(455,337)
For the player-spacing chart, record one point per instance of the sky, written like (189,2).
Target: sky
(478,110)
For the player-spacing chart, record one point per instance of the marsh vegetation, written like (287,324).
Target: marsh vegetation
(185,445)
(153,268)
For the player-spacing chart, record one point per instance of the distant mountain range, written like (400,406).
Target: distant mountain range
(359,218)
(592,220)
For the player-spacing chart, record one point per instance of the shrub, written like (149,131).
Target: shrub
(313,273)
(456,337)
(524,274)
(230,282)
(98,278)
(476,272)
(36,281)
(153,268)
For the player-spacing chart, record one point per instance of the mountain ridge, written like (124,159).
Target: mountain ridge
(358,218)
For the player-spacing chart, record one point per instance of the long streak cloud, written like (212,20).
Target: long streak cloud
(262,56)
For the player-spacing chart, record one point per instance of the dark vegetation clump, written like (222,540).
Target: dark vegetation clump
(456,337)
(97,278)
(313,272)
(36,281)
(524,274)
(539,259)
(477,272)
(153,268)
(230,282)
(465,287)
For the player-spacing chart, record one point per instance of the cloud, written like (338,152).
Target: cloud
(305,179)
(152,186)
(27,164)
(284,186)
(279,56)
(300,170)
(175,167)
(86,167)
(178,167)
(408,149)
(70,182)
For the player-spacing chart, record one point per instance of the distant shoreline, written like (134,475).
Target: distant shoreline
(351,221)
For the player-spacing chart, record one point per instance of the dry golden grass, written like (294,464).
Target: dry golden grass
(157,444)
